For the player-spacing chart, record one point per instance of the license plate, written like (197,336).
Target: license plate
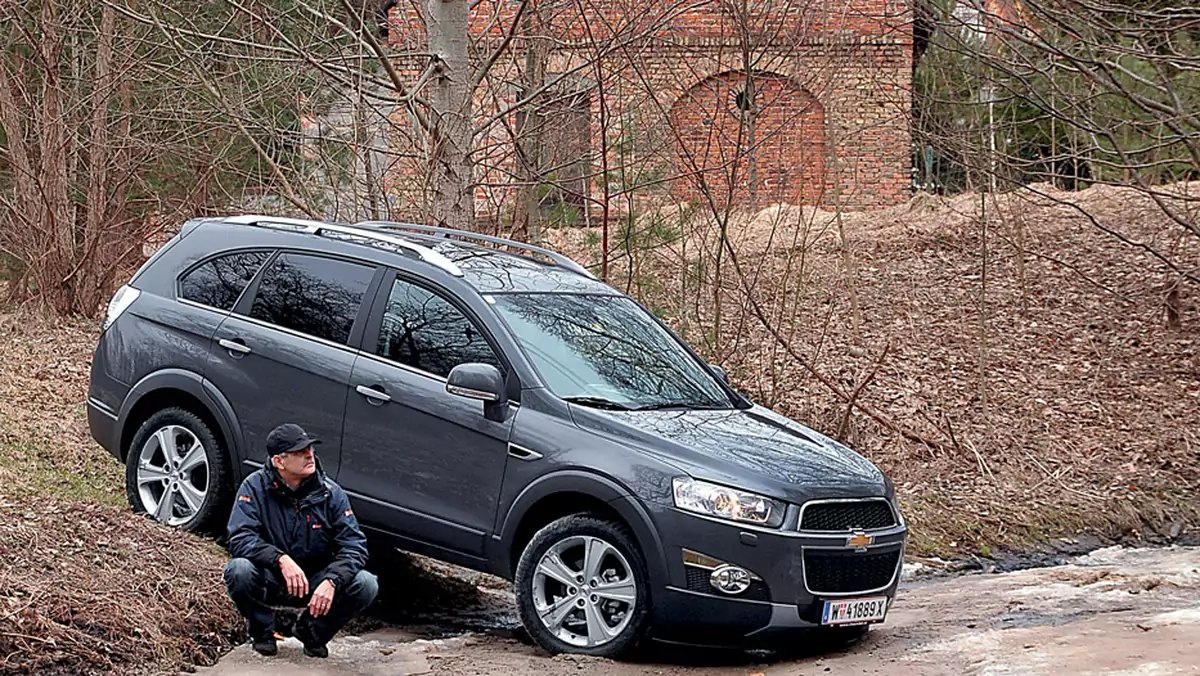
(854,611)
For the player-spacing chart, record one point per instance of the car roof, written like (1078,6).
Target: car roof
(459,253)
(493,271)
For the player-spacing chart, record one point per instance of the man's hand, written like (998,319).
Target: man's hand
(321,599)
(297,582)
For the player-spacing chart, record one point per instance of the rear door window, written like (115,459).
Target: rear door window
(314,295)
(220,281)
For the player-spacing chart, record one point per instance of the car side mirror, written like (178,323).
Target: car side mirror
(482,382)
(720,372)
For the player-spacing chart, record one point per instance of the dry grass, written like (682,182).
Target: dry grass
(85,585)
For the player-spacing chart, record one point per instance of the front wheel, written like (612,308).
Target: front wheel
(582,587)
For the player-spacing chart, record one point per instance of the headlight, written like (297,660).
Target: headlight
(726,503)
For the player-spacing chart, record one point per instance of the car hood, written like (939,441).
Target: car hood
(755,449)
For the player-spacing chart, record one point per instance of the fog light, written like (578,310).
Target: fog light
(730,579)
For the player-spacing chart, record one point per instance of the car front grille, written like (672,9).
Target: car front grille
(847,516)
(848,572)
(697,581)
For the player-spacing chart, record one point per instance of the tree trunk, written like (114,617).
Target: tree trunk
(99,146)
(56,207)
(24,216)
(526,218)
(451,97)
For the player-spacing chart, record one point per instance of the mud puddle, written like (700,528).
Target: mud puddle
(436,600)
(1113,611)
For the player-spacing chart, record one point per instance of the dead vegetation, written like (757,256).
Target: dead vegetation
(89,588)
(85,585)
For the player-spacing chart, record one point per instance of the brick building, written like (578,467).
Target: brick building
(795,101)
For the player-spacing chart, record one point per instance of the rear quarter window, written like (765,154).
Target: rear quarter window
(219,282)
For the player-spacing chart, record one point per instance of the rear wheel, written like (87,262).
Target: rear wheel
(178,473)
(582,587)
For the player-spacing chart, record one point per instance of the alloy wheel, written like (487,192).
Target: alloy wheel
(173,475)
(584,591)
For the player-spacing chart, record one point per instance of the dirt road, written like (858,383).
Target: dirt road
(1115,611)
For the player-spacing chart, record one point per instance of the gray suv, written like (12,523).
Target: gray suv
(491,404)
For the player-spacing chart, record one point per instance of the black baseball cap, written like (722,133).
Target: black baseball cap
(287,438)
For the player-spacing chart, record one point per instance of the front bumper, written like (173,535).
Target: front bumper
(785,597)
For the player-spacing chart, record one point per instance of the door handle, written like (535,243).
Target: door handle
(372,393)
(234,346)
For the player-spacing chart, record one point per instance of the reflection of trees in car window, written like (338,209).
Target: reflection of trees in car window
(606,346)
(316,296)
(423,330)
(220,281)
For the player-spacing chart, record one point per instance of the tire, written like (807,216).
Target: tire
(205,508)
(621,569)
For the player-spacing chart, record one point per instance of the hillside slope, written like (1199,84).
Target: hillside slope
(86,586)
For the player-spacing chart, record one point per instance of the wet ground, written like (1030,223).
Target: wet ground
(1114,611)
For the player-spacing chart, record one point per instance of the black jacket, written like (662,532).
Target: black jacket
(313,524)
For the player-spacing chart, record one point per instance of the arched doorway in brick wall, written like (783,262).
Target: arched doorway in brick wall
(765,132)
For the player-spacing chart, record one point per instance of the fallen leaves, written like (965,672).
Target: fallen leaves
(85,585)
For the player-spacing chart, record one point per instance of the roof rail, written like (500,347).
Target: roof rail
(318,227)
(558,258)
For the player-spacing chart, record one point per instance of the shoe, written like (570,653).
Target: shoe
(316,651)
(265,645)
(303,631)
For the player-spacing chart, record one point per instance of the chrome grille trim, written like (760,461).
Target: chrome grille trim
(896,520)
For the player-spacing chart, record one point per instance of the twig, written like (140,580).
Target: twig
(18,610)
(27,636)
(1059,481)
(845,423)
(950,429)
(984,470)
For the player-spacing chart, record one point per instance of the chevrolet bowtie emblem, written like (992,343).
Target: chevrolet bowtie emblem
(859,540)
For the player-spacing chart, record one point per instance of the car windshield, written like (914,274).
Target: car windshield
(607,352)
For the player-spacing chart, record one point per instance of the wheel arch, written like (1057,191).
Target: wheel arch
(184,389)
(569,492)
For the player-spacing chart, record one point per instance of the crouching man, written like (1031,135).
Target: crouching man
(295,541)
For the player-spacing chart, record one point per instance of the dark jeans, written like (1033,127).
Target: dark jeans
(256,591)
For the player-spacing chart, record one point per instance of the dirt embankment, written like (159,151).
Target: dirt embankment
(85,585)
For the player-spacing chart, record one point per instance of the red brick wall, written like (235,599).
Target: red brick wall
(832,129)
(771,144)
(600,19)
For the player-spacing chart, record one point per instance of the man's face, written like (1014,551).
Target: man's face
(298,464)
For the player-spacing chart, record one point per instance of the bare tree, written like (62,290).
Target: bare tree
(1070,93)
(75,161)
(451,98)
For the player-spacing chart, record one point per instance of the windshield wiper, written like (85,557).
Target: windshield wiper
(598,402)
(678,404)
